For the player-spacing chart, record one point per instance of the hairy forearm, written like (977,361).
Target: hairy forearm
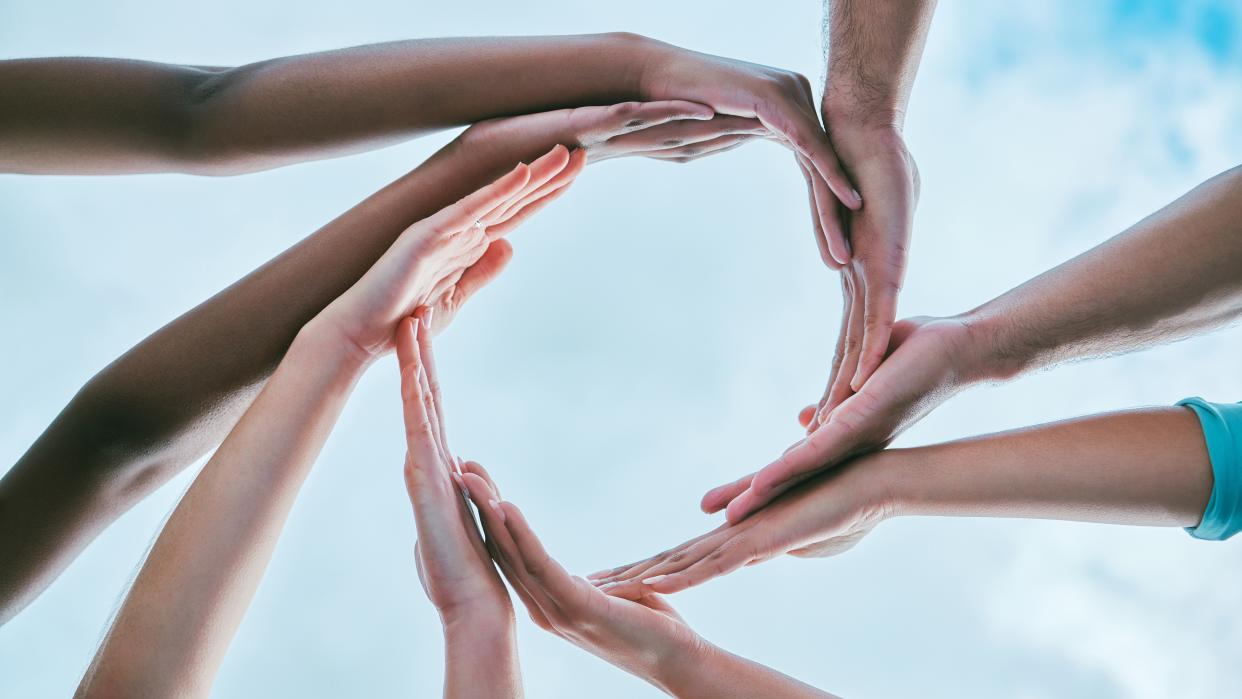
(107,116)
(174,396)
(874,50)
(481,659)
(1174,274)
(1140,467)
(714,673)
(177,620)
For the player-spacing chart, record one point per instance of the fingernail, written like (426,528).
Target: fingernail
(427,318)
(653,579)
(418,376)
(607,586)
(857,196)
(496,508)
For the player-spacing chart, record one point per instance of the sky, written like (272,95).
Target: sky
(607,392)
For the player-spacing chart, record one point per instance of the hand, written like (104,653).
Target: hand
(782,102)
(820,517)
(928,360)
(672,130)
(441,260)
(453,564)
(644,637)
(879,235)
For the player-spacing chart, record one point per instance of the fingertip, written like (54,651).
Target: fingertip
(806,415)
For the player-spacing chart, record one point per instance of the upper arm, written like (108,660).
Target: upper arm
(100,115)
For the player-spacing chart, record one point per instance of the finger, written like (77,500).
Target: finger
(527,210)
(477,469)
(476,205)
(880,310)
(543,170)
(804,132)
(632,116)
(715,146)
(551,577)
(685,132)
(850,349)
(829,217)
(481,273)
(499,544)
(837,389)
(573,167)
(637,584)
(823,448)
(431,381)
(638,570)
(807,414)
(817,226)
(730,556)
(420,439)
(717,498)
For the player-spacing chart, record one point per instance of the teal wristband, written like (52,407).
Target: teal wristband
(1222,432)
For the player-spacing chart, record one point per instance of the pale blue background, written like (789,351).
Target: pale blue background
(656,335)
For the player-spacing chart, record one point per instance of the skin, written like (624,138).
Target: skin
(874,50)
(176,394)
(454,567)
(112,116)
(645,637)
(1181,276)
(1146,467)
(175,625)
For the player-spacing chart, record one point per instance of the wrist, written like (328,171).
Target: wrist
(487,631)
(322,345)
(842,107)
(989,354)
(683,668)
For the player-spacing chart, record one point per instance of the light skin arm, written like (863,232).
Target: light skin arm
(176,623)
(1147,467)
(645,637)
(480,642)
(1175,274)
(175,395)
(874,50)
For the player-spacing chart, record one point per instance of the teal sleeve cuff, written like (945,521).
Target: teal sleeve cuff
(1222,431)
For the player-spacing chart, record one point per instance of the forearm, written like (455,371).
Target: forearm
(1175,274)
(874,50)
(714,673)
(177,620)
(481,659)
(95,116)
(176,394)
(1139,467)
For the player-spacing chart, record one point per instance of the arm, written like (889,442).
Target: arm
(1175,274)
(1141,467)
(874,50)
(480,642)
(175,395)
(177,620)
(102,116)
(646,637)
(105,116)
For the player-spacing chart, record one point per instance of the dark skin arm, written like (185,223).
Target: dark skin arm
(115,116)
(174,396)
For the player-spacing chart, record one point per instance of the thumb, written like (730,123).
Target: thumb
(487,268)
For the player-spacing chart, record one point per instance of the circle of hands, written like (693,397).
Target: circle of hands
(884,374)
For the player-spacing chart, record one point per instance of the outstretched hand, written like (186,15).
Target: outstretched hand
(443,259)
(928,360)
(639,636)
(453,564)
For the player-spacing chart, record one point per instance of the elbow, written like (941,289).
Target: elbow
(203,140)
